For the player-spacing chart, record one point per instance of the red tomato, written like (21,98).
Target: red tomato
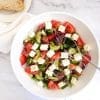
(52,85)
(24,52)
(45,39)
(48,38)
(43,54)
(28,47)
(22,59)
(35,72)
(86,58)
(28,70)
(72,66)
(51,37)
(41,26)
(69,27)
(80,42)
(55,23)
(56,56)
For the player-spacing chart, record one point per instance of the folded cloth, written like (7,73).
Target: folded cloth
(6,38)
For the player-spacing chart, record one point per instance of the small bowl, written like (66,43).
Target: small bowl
(27,82)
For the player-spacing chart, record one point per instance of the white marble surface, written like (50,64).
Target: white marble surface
(89,11)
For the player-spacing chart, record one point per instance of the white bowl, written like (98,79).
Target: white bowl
(29,84)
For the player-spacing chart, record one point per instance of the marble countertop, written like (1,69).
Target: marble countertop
(88,10)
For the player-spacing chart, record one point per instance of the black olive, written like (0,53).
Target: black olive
(69,43)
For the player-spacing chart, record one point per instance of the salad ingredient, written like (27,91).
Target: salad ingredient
(54,55)
(50,53)
(44,47)
(61,28)
(75,36)
(52,85)
(65,62)
(35,46)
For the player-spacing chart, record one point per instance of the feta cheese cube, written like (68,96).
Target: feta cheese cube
(41,61)
(61,28)
(35,46)
(32,54)
(34,68)
(44,47)
(75,37)
(67,71)
(31,34)
(68,35)
(43,32)
(64,54)
(73,80)
(87,47)
(49,73)
(61,84)
(52,67)
(78,56)
(78,69)
(40,83)
(65,62)
(50,53)
(48,25)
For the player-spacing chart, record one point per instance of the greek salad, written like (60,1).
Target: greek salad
(54,55)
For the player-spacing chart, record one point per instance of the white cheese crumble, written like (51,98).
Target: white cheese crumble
(73,80)
(67,71)
(43,32)
(35,46)
(65,62)
(64,54)
(53,67)
(68,35)
(61,84)
(87,47)
(78,56)
(44,47)
(49,72)
(48,25)
(32,53)
(61,28)
(78,69)
(41,61)
(34,68)
(50,53)
(75,37)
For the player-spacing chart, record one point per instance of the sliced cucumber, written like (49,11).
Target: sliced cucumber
(61,47)
(53,78)
(38,37)
(64,86)
(72,51)
(29,61)
(42,67)
(39,76)
(74,62)
(68,77)
(49,31)
(57,63)
(73,80)
(37,56)
(54,47)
